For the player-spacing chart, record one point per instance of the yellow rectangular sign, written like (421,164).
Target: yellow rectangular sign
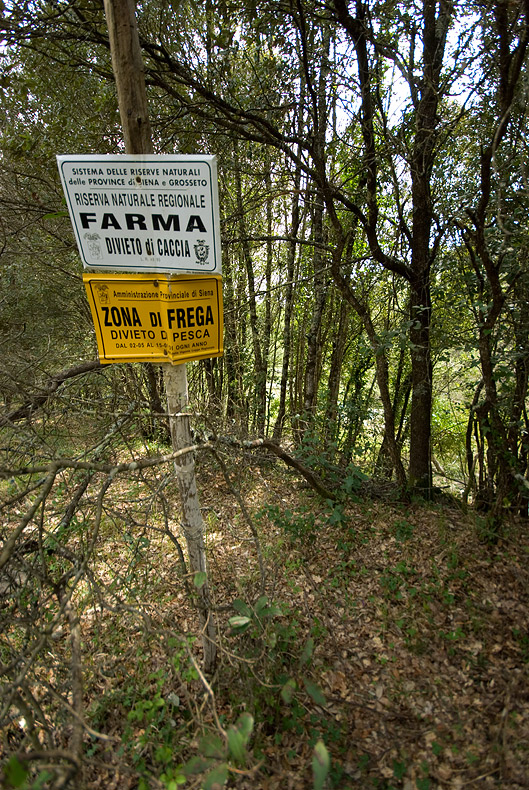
(155,318)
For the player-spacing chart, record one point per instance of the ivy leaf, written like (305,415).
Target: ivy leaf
(307,651)
(211,746)
(245,726)
(196,765)
(236,745)
(15,772)
(287,692)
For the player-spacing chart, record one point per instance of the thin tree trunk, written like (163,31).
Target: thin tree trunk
(267,327)
(132,100)
(259,357)
(232,358)
(155,401)
(335,371)
(310,388)
(192,523)
(289,292)
(289,302)
(313,336)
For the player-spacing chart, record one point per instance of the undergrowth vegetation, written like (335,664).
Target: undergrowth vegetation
(385,646)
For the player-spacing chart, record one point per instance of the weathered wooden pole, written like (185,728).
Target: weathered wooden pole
(129,74)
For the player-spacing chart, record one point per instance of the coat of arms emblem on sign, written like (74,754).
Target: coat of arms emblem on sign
(94,247)
(102,292)
(202,252)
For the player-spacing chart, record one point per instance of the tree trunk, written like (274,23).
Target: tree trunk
(259,357)
(381,364)
(154,426)
(132,99)
(335,371)
(235,405)
(420,476)
(310,390)
(435,27)
(267,327)
(289,293)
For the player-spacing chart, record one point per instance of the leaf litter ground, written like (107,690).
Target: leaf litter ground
(403,644)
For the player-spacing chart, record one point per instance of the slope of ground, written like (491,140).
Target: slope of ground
(393,638)
(395,634)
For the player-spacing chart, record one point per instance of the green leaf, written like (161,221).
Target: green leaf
(238,737)
(15,772)
(239,622)
(245,725)
(163,754)
(265,609)
(241,607)
(217,778)
(173,780)
(273,610)
(200,579)
(399,769)
(314,692)
(56,215)
(196,765)
(211,746)
(287,692)
(321,763)
(261,604)
(307,652)
(236,746)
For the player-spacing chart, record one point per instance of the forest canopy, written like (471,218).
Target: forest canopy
(372,189)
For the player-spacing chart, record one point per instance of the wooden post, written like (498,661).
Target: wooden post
(175,377)
(127,64)
(129,74)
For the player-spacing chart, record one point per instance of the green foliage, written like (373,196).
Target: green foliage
(218,755)
(297,527)
(283,703)
(15,772)
(394,581)
(399,769)
(320,765)
(256,620)
(199,579)
(155,717)
(321,456)
(403,530)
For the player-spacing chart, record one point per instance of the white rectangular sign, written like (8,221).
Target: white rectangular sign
(150,213)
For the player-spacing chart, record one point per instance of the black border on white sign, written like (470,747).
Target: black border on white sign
(147,213)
